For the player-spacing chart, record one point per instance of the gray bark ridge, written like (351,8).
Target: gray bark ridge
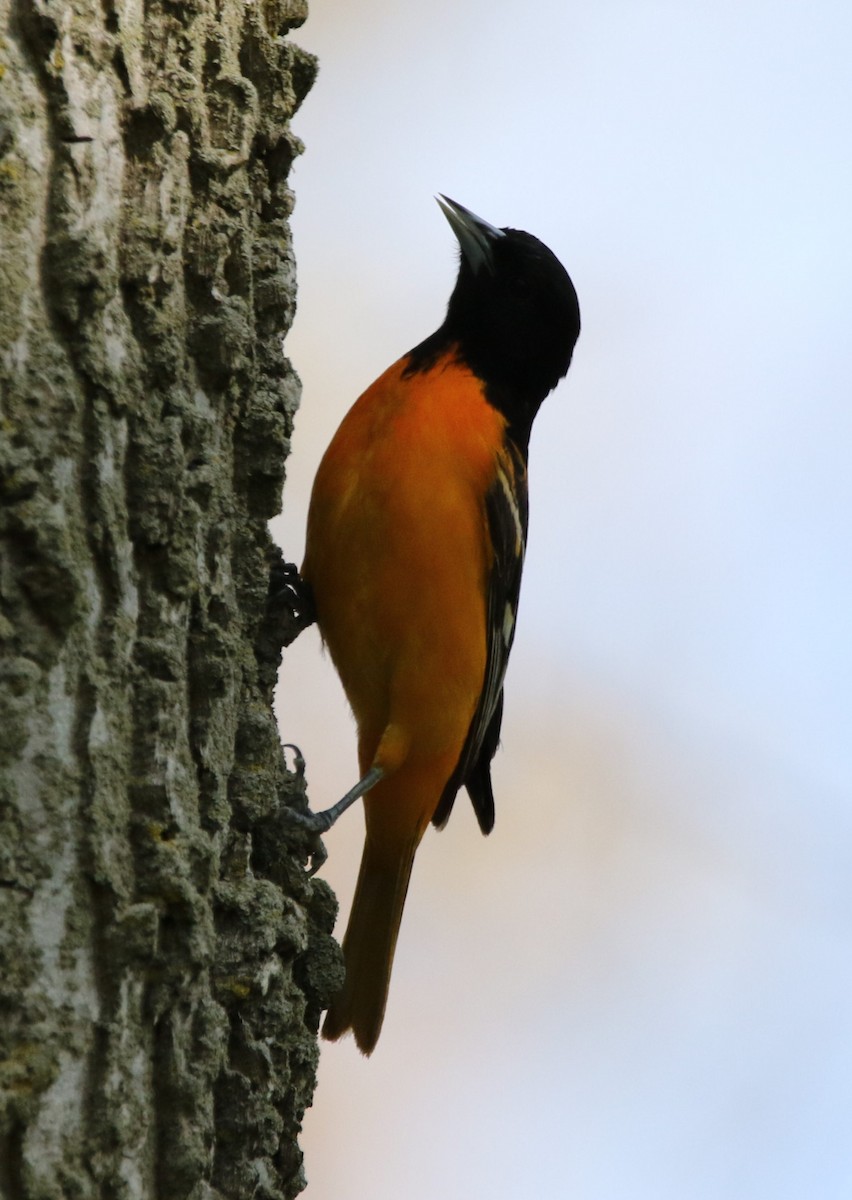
(163,957)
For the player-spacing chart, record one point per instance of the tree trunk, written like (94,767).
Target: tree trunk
(164,956)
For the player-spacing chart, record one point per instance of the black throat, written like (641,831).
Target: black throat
(513,319)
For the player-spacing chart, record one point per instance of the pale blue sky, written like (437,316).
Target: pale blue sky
(641,985)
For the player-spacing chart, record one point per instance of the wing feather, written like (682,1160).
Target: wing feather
(506,512)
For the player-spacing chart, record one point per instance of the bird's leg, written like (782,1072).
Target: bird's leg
(319,823)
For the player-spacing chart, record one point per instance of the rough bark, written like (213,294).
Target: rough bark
(164,956)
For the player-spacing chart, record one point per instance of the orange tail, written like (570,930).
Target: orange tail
(369,945)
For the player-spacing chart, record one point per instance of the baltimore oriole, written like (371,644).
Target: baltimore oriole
(415,546)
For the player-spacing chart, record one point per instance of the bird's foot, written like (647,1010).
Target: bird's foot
(305,821)
(316,824)
(290,600)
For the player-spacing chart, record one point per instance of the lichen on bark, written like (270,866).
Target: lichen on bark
(164,956)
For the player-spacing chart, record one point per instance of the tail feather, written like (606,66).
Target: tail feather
(368,948)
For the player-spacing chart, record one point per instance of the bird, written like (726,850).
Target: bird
(415,543)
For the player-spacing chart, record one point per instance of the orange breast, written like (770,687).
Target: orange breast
(398,556)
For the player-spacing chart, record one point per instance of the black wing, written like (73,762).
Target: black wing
(506,512)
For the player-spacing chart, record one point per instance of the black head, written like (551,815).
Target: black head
(513,313)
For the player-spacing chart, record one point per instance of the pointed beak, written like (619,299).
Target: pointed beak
(475,236)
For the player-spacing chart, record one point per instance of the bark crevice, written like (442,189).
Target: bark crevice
(165,958)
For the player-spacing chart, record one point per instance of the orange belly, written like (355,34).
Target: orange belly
(398,558)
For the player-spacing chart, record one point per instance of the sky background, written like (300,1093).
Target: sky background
(640,986)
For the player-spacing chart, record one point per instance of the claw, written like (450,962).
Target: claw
(306,822)
(288,591)
(317,858)
(298,759)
